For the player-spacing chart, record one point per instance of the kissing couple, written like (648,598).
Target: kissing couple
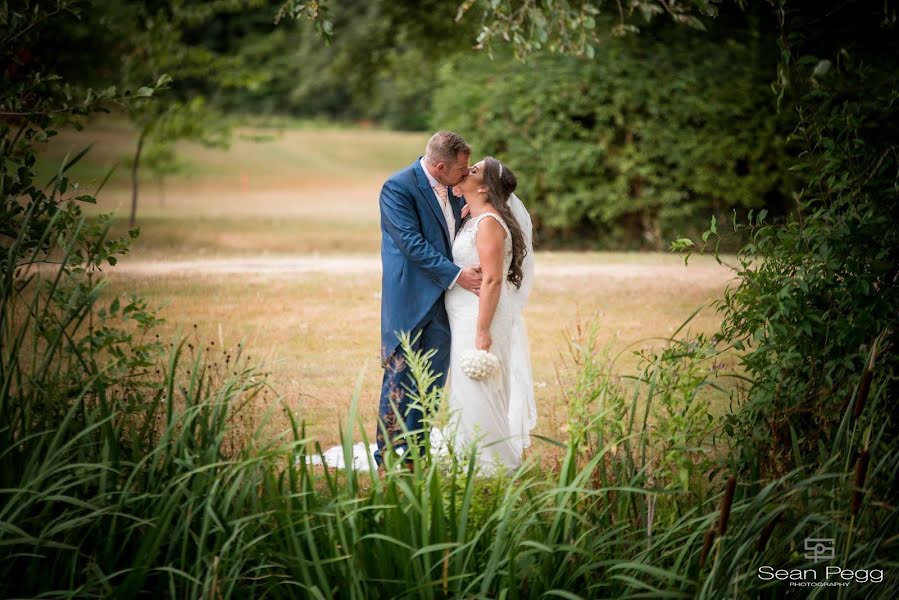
(458,266)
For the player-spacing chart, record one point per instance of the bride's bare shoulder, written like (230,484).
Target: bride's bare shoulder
(492,226)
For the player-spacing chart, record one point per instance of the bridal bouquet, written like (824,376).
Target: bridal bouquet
(479,364)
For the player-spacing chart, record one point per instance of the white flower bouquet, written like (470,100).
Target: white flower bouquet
(479,364)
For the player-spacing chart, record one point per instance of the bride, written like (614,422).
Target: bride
(496,413)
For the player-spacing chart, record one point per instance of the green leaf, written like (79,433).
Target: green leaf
(563,594)
(144,92)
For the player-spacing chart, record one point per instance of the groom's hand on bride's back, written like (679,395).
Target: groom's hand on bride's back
(470,279)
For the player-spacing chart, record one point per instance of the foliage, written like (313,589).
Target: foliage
(654,427)
(99,425)
(379,65)
(631,148)
(37,218)
(158,44)
(177,45)
(562,26)
(573,27)
(85,392)
(818,295)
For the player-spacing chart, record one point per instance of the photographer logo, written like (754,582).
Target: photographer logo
(816,550)
(819,549)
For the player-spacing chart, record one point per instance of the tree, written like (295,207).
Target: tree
(818,297)
(561,26)
(162,41)
(636,145)
(34,103)
(170,43)
(380,64)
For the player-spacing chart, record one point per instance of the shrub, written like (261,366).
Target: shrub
(818,292)
(632,147)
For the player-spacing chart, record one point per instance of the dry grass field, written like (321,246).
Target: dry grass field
(275,245)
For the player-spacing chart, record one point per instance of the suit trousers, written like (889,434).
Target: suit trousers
(396,410)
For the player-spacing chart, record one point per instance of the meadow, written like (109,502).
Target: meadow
(274,245)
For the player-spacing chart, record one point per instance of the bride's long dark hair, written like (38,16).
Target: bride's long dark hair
(501,182)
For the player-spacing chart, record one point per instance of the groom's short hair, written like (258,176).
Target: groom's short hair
(445,146)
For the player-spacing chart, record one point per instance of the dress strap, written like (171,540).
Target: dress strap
(499,220)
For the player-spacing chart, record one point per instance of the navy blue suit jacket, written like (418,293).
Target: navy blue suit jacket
(416,253)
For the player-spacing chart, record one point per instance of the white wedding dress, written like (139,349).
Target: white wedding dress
(498,414)
(522,405)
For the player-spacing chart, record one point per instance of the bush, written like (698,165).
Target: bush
(815,309)
(629,149)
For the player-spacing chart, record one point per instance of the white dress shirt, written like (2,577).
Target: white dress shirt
(445,207)
(444,203)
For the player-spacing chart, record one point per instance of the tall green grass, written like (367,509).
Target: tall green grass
(121,476)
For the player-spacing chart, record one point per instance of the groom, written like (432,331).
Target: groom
(419,220)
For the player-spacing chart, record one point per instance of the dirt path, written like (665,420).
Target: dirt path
(706,272)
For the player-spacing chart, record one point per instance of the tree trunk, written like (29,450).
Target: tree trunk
(134,178)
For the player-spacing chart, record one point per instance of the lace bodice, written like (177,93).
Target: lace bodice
(465,246)
(462,305)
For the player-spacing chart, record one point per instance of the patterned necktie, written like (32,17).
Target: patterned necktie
(443,195)
(441,192)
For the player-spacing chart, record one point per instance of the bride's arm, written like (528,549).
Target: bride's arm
(490,240)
